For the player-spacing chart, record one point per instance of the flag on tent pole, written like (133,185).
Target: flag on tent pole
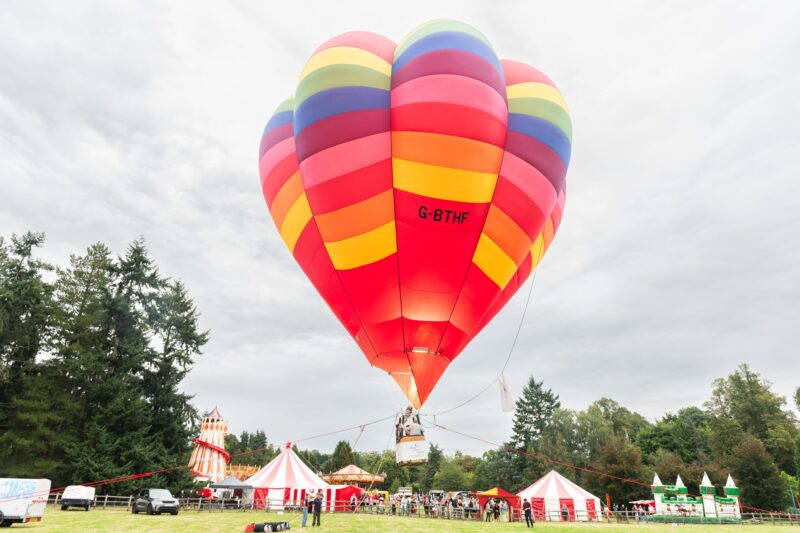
(506,400)
(794,499)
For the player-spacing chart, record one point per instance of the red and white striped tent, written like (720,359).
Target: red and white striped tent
(552,492)
(286,480)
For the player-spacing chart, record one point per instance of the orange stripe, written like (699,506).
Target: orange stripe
(287,194)
(507,234)
(446,151)
(357,218)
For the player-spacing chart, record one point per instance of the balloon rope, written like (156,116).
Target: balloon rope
(510,351)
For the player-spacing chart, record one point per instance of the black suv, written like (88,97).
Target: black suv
(155,501)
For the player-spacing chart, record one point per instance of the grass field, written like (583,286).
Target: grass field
(192,521)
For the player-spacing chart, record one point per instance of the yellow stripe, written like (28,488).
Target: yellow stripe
(363,249)
(532,89)
(493,261)
(346,55)
(443,183)
(548,232)
(294,223)
(537,251)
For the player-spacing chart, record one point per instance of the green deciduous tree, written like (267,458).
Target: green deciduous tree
(435,458)
(624,422)
(395,476)
(496,467)
(451,477)
(686,434)
(755,472)
(746,398)
(797,455)
(668,466)
(622,460)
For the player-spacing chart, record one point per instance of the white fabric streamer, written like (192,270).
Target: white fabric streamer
(506,400)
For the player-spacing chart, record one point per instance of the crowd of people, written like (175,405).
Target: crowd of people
(454,505)
(495,510)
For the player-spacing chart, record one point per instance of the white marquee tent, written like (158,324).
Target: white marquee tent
(554,497)
(286,480)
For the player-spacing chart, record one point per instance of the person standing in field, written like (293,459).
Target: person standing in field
(317,509)
(526,508)
(307,506)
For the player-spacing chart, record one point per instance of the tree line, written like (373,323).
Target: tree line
(744,429)
(92,356)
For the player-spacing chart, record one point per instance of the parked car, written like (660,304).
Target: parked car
(77,496)
(155,501)
(22,500)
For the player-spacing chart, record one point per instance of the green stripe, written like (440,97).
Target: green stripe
(544,109)
(342,75)
(287,105)
(436,26)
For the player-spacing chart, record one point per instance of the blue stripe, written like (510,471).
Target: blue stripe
(448,40)
(278,119)
(336,101)
(543,131)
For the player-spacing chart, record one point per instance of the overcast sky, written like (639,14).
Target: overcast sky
(677,259)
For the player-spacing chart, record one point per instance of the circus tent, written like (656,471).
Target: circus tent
(553,492)
(286,480)
(498,493)
(209,458)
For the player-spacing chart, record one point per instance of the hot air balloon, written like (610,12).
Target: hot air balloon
(417,185)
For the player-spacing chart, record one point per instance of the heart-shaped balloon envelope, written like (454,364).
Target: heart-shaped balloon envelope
(417,185)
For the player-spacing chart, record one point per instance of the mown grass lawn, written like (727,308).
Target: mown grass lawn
(193,521)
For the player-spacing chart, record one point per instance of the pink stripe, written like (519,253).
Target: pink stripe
(344,158)
(530,181)
(371,42)
(565,490)
(275,155)
(451,89)
(517,72)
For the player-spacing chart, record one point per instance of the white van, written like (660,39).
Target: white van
(77,496)
(22,500)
